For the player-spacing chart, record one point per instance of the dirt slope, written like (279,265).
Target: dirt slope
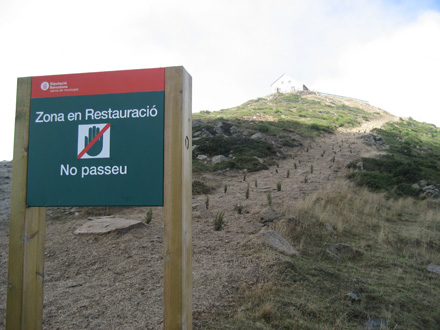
(114,281)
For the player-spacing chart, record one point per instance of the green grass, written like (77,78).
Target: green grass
(277,118)
(244,151)
(290,113)
(413,155)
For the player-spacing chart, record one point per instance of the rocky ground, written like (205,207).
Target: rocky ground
(114,281)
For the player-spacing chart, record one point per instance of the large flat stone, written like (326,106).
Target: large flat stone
(105,225)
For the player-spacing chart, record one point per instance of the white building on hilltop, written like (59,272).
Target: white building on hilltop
(285,84)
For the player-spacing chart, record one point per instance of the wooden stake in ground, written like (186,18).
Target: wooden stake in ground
(177,200)
(24,308)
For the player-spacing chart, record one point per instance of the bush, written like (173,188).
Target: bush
(220,145)
(239,208)
(199,188)
(263,128)
(149,216)
(219,221)
(377,181)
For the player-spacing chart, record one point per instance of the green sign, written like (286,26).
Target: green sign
(95,149)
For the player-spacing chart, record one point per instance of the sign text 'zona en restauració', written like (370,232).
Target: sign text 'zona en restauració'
(97,139)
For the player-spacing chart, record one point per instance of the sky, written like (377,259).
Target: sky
(386,52)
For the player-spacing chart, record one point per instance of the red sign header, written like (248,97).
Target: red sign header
(94,83)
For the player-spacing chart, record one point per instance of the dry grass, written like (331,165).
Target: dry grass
(397,238)
(405,224)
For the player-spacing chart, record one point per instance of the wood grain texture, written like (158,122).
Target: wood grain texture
(177,200)
(24,308)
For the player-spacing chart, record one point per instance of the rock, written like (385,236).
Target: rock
(234,130)
(219,159)
(434,269)
(431,191)
(276,241)
(218,130)
(423,183)
(369,138)
(374,323)
(197,134)
(416,186)
(197,123)
(257,136)
(269,215)
(202,157)
(329,227)
(104,225)
(341,250)
(354,298)
(203,211)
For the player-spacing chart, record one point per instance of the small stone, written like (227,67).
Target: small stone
(269,215)
(434,269)
(257,136)
(104,225)
(233,130)
(375,323)
(276,241)
(218,130)
(329,227)
(196,123)
(354,298)
(343,250)
(219,159)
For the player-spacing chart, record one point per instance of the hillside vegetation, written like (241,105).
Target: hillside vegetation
(386,219)
(410,163)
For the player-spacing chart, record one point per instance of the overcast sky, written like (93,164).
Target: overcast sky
(385,52)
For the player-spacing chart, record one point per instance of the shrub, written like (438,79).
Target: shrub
(219,221)
(377,181)
(149,216)
(199,188)
(278,186)
(247,192)
(263,128)
(269,198)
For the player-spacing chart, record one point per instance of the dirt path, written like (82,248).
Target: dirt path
(114,281)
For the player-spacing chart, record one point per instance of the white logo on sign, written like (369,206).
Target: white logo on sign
(93,141)
(44,86)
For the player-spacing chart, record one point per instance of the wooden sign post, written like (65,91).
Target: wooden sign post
(24,309)
(164,150)
(177,201)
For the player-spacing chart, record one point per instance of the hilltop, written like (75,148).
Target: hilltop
(324,221)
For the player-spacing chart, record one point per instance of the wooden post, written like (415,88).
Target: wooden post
(24,308)
(177,200)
